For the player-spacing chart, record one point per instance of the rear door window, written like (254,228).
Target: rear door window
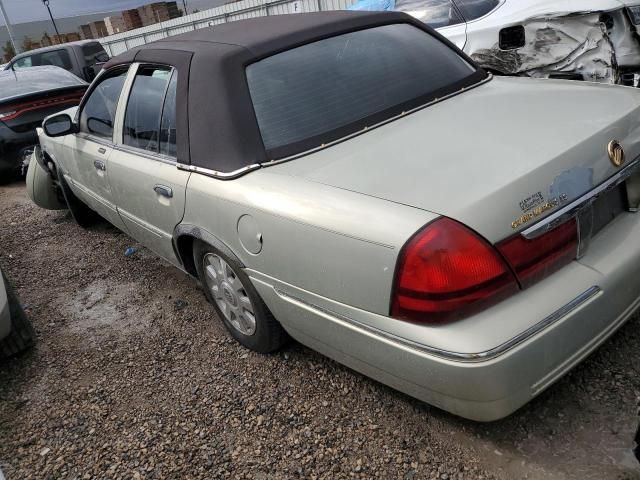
(57,58)
(328,89)
(144,109)
(168,126)
(94,53)
(435,13)
(474,9)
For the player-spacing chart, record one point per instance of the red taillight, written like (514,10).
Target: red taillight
(11,112)
(447,271)
(533,260)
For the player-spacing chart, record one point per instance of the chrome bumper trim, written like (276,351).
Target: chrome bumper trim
(457,356)
(577,206)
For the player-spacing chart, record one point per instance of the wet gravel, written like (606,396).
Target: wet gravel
(133,377)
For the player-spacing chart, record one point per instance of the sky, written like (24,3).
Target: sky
(20,11)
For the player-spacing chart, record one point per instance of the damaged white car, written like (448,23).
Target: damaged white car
(593,40)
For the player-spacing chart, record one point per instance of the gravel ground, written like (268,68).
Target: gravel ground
(134,377)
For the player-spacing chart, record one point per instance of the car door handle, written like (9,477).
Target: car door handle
(102,151)
(163,190)
(99,164)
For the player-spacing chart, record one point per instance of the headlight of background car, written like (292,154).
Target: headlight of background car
(634,13)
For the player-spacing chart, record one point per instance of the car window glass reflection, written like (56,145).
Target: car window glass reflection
(142,118)
(99,111)
(473,9)
(168,127)
(25,62)
(435,13)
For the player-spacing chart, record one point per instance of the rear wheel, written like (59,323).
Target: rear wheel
(22,334)
(236,300)
(81,213)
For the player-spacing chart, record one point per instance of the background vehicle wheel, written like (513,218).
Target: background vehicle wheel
(22,334)
(81,213)
(236,300)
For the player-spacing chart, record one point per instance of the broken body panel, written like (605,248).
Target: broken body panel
(594,41)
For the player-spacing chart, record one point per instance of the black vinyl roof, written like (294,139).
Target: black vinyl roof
(223,134)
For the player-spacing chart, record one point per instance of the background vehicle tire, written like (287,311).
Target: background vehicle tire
(81,213)
(236,301)
(22,334)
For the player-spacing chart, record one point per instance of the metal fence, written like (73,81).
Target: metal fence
(121,42)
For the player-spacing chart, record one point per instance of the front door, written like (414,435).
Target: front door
(90,150)
(147,185)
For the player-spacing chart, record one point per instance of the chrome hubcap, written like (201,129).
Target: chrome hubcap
(229,294)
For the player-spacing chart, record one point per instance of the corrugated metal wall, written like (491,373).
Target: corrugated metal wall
(121,42)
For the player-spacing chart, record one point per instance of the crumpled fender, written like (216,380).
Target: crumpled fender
(41,188)
(576,43)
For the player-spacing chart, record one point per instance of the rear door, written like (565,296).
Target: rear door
(148,187)
(91,148)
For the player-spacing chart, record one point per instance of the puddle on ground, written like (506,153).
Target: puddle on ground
(102,306)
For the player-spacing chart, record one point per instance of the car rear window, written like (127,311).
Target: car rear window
(94,52)
(324,90)
(435,13)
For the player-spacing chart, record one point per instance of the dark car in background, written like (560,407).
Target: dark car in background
(26,98)
(83,58)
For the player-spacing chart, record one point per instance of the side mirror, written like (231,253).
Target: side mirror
(59,125)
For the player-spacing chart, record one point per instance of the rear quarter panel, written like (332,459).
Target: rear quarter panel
(335,243)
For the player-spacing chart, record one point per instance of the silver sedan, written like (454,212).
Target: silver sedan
(356,182)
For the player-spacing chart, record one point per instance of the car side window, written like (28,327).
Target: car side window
(435,13)
(58,58)
(168,127)
(99,111)
(473,9)
(144,108)
(94,53)
(24,62)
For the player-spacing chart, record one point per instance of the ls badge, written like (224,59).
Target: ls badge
(616,153)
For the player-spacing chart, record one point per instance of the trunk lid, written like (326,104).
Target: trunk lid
(490,155)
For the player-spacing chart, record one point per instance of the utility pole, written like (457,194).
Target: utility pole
(46,4)
(184,3)
(6,22)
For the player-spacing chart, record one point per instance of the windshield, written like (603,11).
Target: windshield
(322,91)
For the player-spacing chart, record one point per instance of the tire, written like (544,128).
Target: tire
(22,335)
(81,213)
(228,291)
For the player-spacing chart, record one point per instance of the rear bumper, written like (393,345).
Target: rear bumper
(567,316)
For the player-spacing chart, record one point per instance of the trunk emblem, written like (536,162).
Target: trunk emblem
(616,153)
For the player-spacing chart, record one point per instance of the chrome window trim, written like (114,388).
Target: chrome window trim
(146,153)
(219,175)
(574,208)
(96,139)
(486,355)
